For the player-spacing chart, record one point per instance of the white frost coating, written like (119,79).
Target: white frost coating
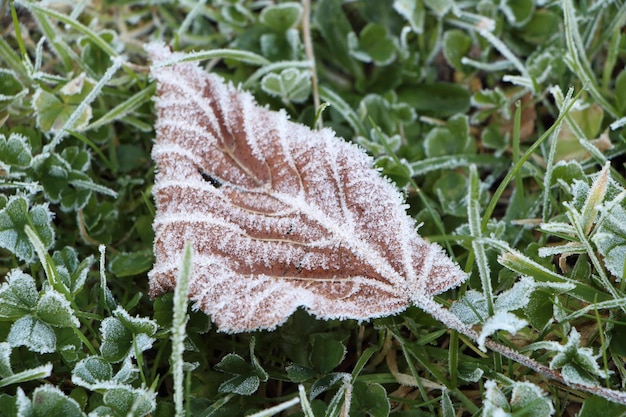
(280,216)
(517,297)
(57,308)
(501,320)
(32,333)
(471,308)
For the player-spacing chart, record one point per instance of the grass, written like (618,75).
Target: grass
(518,105)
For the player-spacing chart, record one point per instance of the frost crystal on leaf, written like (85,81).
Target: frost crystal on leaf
(526,399)
(279,216)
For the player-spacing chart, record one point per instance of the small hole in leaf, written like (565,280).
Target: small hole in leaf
(208,178)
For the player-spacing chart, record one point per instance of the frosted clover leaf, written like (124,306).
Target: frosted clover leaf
(15,155)
(55,309)
(610,237)
(35,334)
(123,335)
(71,272)
(290,85)
(54,110)
(47,401)
(126,400)
(18,295)
(120,399)
(93,373)
(8,377)
(577,364)
(247,377)
(35,315)
(472,309)
(63,177)
(15,214)
(526,398)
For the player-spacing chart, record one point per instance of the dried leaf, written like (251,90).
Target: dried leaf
(279,216)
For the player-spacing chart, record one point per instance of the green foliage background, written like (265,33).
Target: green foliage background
(466,106)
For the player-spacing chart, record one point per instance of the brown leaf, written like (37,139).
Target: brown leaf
(279,216)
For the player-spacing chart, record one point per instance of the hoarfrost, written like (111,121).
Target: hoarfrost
(279,216)
(33,333)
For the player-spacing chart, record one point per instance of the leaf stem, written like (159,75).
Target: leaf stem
(179,323)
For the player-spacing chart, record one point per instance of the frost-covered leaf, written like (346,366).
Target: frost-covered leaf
(516,297)
(596,196)
(451,139)
(18,295)
(5,360)
(91,371)
(241,384)
(116,339)
(447,408)
(7,377)
(279,216)
(143,342)
(120,331)
(96,373)
(247,377)
(33,333)
(610,239)
(54,110)
(473,373)
(130,401)
(471,308)
(14,217)
(490,102)
(63,179)
(23,404)
(299,373)
(280,17)
(451,190)
(47,401)
(136,324)
(15,154)
(290,85)
(11,88)
(578,364)
(71,273)
(369,400)
(374,44)
(127,373)
(329,381)
(413,12)
(501,320)
(55,309)
(526,399)
(233,364)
